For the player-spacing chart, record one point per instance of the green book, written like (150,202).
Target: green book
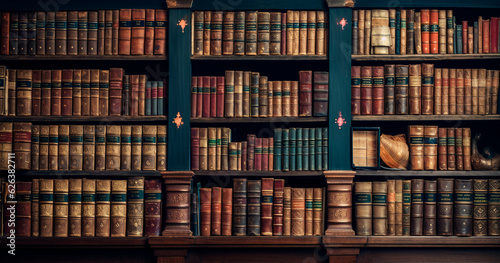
(299,150)
(312,149)
(319,147)
(325,149)
(305,149)
(277,149)
(293,148)
(286,150)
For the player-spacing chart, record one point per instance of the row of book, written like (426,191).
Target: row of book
(418,207)
(254,33)
(79,92)
(248,94)
(258,208)
(82,208)
(101,32)
(404,31)
(294,149)
(423,89)
(83,147)
(432,147)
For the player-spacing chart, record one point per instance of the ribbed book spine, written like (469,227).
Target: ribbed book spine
(239,33)
(88,207)
(356,90)
(254,208)
(406,207)
(309,215)
(450,146)
(63,147)
(216,33)
(227,33)
(389,89)
(126,148)
(430,147)
(379,208)
(292,149)
(463,207)
(415,89)
(480,202)
(417,207)
(452,91)
(240,206)
(442,149)
(135,206)
(160,34)
(449,32)
(445,207)
(92,44)
(378,90)
(425,26)
(76,152)
(401,76)
(216,211)
(429,222)
(118,208)
(205,211)
(466,141)
(149,149)
(416,145)
(46,207)
(287,211)
(61,189)
(100,147)
(363,208)
(399,207)
(75,207)
(103,208)
(298,214)
(366,90)
(263,33)
(267,207)
(320,94)
(35,207)
(493,207)
(227,211)
(23,209)
(113,150)
(35,147)
(251,33)
(263,97)
(125,31)
(305,94)
(278,206)
(325,149)
(427,85)
(89,149)
(275,33)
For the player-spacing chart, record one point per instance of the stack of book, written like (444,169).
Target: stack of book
(433,31)
(84,208)
(248,94)
(258,208)
(101,32)
(294,149)
(418,207)
(254,33)
(84,147)
(79,92)
(422,89)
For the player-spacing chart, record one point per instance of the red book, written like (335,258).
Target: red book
(305,93)
(152,207)
(271,154)
(23,209)
(67,92)
(227,211)
(265,154)
(266,222)
(251,151)
(464,37)
(258,154)
(220,97)
(494,35)
(36,93)
(115,91)
(216,214)
(206,97)
(366,90)
(205,211)
(4,33)
(195,149)
(425,21)
(199,100)
(194,95)
(486,36)
(434,31)
(378,91)
(279,188)
(213,96)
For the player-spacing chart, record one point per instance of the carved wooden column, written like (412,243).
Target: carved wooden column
(339,202)
(177,202)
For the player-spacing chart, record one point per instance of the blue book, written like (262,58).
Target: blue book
(147,103)
(299,150)
(293,146)
(312,149)
(459,39)
(286,150)
(319,148)
(325,149)
(305,149)
(161,99)
(277,149)
(154,98)
(398,32)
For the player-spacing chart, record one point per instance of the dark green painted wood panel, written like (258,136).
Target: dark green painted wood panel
(427,3)
(179,92)
(339,145)
(258,4)
(56,5)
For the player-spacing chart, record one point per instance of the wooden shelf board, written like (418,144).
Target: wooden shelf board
(79,242)
(235,241)
(80,119)
(261,120)
(410,173)
(258,173)
(87,174)
(412,241)
(263,58)
(424,57)
(81,57)
(495,117)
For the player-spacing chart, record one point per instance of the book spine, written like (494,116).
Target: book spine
(325,149)
(115,91)
(286,99)
(125,31)
(460,92)
(463,207)
(212,148)
(218,149)
(266,204)
(438,91)
(195,149)
(415,89)
(53,147)
(207,27)
(100,147)
(11,92)
(459,153)
(89,149)
(227,211)
(161,148)
(466,143)
(240,206)
(4,82)
(294,98)
(118,208)
(72,33)
(480,201)
(228,94)
(199,18)
(61,191)
(277,149)
(103,208)
(251,33)
(493,205)
(404,41)
(305,95)
(429,222)
(278,207)
(239,33)
(434,31)
(161,97)
(452,92)
(113,141)
(298,211)
(309,215)
(5,34)
(317,211)
(442,149)
(321,25)
(93,33)
(85,100)
(379,208)
(277,98)
(142,95)
(427,89)
(494,34)
(136,148)
(24,87)
(445,207)
(76,147)
(449,32)
(401,78)
(88,207)
(482,91)
(380,32)
(23,209)
(292,148)
(254,208)
(494,91)
(205,211)
(270,101)
(476,37)
(425,26)
(442,31)
(417,207)
(152,207)
(475,91)
(67,92)
(160,43)
(216,211)
(233,156)
(372,90)
(320,95)
(450,145)
(77,92)
(216,33)
(228,33)
(126,148)
(355,30)
(311,32)
(368,28)
(389,89)
(108,32)
(486,36)
(263,97)
(258,154)
(464,37)
(263,33)
(399,207)
(410,28)
(283,36)
(407,207)
(305,149)
(285,150)
(430,147)
(318,149)
(416,143)
(363,208)
(287,211)
(46,207)
(75,208)
(22,145)
(147,102)
(94,92)
(35,207)
(238,95)
(226,138)
(265,154)
(391,207)
(135,206)
(149,149)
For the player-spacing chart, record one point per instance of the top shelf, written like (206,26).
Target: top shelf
(424,57)
(263,58)
(81,57)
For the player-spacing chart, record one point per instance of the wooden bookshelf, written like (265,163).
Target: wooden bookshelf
(263,58)
(78,242)
(424,57)
(390,118)
(259,173)
(414,241)
(236,241)
(261,120)
(83,57)
(410,173)
(86,174)
(83,119)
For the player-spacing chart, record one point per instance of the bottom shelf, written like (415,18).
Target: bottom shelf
(412,241)
(78,242)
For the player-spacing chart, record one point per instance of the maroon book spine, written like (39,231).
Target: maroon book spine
(227,211)
(134,96)
(199,100)
(279,188)
(67,92)
(152,207)
(46,92)
(36,92)
(216,214)
(258,154)
(195,149)
(205,211)
(251,152)
(194,95)
(366,90)
(4,33)
(206,97)
(115,91)
(266,222)
(23,209)
(320,96)
(265,154)
(213,96)
(305,93)
(378,91)
(464,37)
(220,97)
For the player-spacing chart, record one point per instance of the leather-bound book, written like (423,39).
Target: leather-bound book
(406,207)
(36,33)
(475,91)
(292,148)
(286,98)
(277,149)
(126,148)
(86,82)
(226,137)
(464,37)
(380,33)
(23,209)
(389,89)
(135,206)
(36,92)
(238,95)
(486,36)
(399,207)
(226,211)
(452,91)
(379,208)
(437,91)
(118,215)
(417,207)
(160,44)
(63,147)
(305,95)
(287,211)
(194,96)
(43,158)
(60,32)
(93,33)
(467,91)
(356,90)
(277,88)
(311,33)
(480,209)
(355,30)
(254,207)
(445,206)
(103,208)
(366,90)
(425,26)
(136,148)
(482,91)
(263,33)
(251,33)
(61,191)
(195,149)
(392,30)
(449,32)
(134,95)
(475,41)
(55,90)
(494,92)
(11,92)
(460,90)
(319,149)
(161,148)
(5,33)
(207,32)
(4,83)
(108,32)
(72,33)
(317,211)
(82,38)
(100,147)
(305,148)
(67,92)
(6,139)
(391,207)
(104,92)
(290,32)
(309,215)
(75,207)
(228,95)
(430,147)
(493,207)
(246,94)
(450,147)
(138,31)
(258,154)
(240,206)
(443,149)
(203,149)
(4,225)
(463,207)
(23,92)
(94,92)
(263,97)
(227,33)
(267,207)
(113,150)
(270,105)
(239,33)
(494,34)
(368,28)
(77,93)
(218,149)
(427,89)
(50,33)
(283,34)
(216,33)
(275,33)
(434,31)
(199,18)
(125,32)
(149,134)
(212,148)
(298,211)
(294,98)
(401,77)
(459,152)
(35,207)
(320,96)
(302,36)
(244,156)
(233,156)
(466,144)
(53,147)
(277,208)
(115,91)
(46,207)
(299,150)
(22,145)
(285,150)
(442,31)
(76,147)
(89,149)
(377,91)
(152,207)
(363,208)
(214,217)
(429,222)
(445,91)
(88,207)
(265,154)
(416,144)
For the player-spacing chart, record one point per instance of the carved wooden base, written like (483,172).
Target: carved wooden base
(339,202)
(177,202)
(171,255)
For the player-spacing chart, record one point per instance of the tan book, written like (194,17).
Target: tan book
(263,97)
(61,207)
(287,211)
(89,147)
(88,207)
(289,32)
(442,31)
(103,208)
(399,207)
(161,148)
(368,29)
(415,89)
(207,32)
(311,32)
(445,89)
(298,211)
(43,146)
(76,147)
(418,33)
(303,32)
(135,206)
(77,92)
(286,98)
(212,149)
(6,143)
(361,33)
(53,147)
(100,147)
(103,92)
(320,33)
(416,145)
(218,149)
(470,40)
(467,91)
(480,33)
(229,94)
(233,156)
(475,91)
(296,32)
(294,98)
(381,34)
(238,94)
(11,92)
(391,207)
(452,92)
(317,211)
(489,82)
(449,31)
(379,208)
(204,149)
(136,148)
(430,147)
(46,207)
(63,147)
(126,148)
(363,208)
(35,147)
(142,94)
(309,212)
(270,101)
(427,89)
(75,207)
(466,142)
(23,92)
(460,92)
(4,83)
(277,98)
(94,92)
(392,29)
(403,32)
(118,208)
(481,94)
(275,33)
(149,147)
(494,92)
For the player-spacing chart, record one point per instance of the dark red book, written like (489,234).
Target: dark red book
(194,95)
(320,95)
(134,95)
(464,37)
(266,206)
(305,93)
(251,152)
(36,92)
(258,154)
(216,214)
(67,92)
(206,97)
(213,96)
(486,36)
(227,211)
(220,97)
(55,93)
(4,33)
(366,90)
(23,209)
(279,188)
(195,149)
(160,32)
(199,100)
(494,35)
(205,211)
(152,207)
(378,90)
(265,154)
(115,90)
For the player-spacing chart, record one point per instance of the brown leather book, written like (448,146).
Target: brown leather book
(494,91)
(108,31)
(309,218)
(460,92)
(298,209)
(391,207)
(320,96)
(480,213)
(289,32)
(228,33)
(216,33)
(134,95)
(296,32)
(227,211)
(229,94)
(61,191)
(363,208)
(149,36)
(467,91)
(23,209)
(53,148)
(103,92)
(126,148)
(361,33)
(417,207)
(195,149)
(388,89)
(100,147)
(35,207)
(287,211)
(449,32)
(93,33)
(233,156)
(216,211)
(305,94)
(125,32)
(442,31)
(135,206)
(115,32)
(23,92)
(35,147)
(161,148)
(356,90)
(138,31)
(88,207)
(321,33)
(194,96)
(463,207)
(82,32)
(481,94)
(430,147)
(43,146)
(486,36)
(450,147)
(212,148)
(475,91)
(311,33)
(152,207)
(55,96)
(136,148)
(5,33)
(470,39)
(406,207)
(263,97)
(254,207)
(445,91)
(275,33)
(459,152)
(149,133)
(86,76)
(277,98)
(239,33)
(118,215)
(416,143)
(205,211)
(246,94)
(294,98)
(207,27)
(466,144)
(318,211)
(493,207)
(238,95)
(50,33)
(72,32)
(302,47)
(489,80)
(46,207)
(63,147)
(160,45)
(67,92)
(452,92)
(240,206)
(115,91)
(251,33)
(250,152)
(94,92)
(142,94)
(427,89)
(267,207)
(442,149)
(379,208)
(429,223)
(270,104)
(4,83)
(366,90)
(418,33)
(203,149)
(378,90)
(368,29)
(401,77)
(399,207)
(61,32)
(277,213)
(445,206)
(75,208)
(226,137)
(244,155)
(89,147)
(286,99)
(22,145)
(76,147)
(77,93)
(6,138)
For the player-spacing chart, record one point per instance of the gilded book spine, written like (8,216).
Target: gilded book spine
(363,208)
(61,189)
(75,207)
(480,213)
(379,208)
(417,207)
(429,223)
(463,207)
(100,147)
(152,207)
(46,207)
(430,147)
(445,207)
(76,141)
(118,208)
(149,139)
(103,208)
(135,206)
(401,94)
(407,207)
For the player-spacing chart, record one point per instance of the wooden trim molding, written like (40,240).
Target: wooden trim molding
(339,203)
(179,3)
(177,202)
(340,3)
